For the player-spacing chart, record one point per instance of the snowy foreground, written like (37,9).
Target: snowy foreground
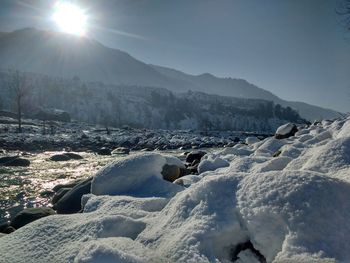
(288,198)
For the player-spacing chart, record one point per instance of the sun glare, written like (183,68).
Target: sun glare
(70,18)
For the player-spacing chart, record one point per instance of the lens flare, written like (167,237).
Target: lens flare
(70,18)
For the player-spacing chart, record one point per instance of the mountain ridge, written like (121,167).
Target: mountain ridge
(62,55)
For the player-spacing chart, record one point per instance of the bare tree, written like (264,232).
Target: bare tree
(20,87)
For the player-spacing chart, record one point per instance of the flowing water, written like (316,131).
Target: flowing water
(23,187)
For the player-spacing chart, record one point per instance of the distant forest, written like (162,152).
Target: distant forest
(143,107)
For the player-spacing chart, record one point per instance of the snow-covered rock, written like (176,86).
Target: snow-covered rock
(211,163)
(286,131)
(251,140)
(137,175)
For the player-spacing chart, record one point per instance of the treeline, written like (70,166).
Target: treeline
(189,104)
(145,107)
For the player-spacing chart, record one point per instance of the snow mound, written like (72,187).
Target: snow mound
(92,236)
(137,175)
(200,225)
(296,212)
(210,163)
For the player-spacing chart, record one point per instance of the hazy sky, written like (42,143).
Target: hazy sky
(297,49)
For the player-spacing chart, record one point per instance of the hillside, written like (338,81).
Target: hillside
(66,56)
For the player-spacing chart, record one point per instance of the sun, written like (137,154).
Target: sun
(70,18)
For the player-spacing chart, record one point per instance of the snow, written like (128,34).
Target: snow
(211,162)
(294,207)
(251,140)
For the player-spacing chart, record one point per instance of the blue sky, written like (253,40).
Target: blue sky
(297,49)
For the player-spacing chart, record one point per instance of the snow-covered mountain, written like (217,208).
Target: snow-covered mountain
(66,56)
(243,89)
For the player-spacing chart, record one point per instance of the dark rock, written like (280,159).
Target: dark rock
(193,169)
(195,155)
(65,157)
(74,156)
(3,226)
(195,162)
(60,193)
(14,161)
(121,150)
(71,202)
(47,193)
(127,144)
(184,171)
(9,230)
(29,215)
(244,246)
(71,184)
(276,154)
(171,172)
(104,151)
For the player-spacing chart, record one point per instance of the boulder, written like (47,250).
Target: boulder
(171,172)
(121,150)
(286,131)
(13,161)
(65,157)
(9,230)
(3,226)
(70,202)
(60,193)
(29,215)
(71,184)
(195,155)
(104,151)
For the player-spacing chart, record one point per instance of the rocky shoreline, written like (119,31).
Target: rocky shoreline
(80,137)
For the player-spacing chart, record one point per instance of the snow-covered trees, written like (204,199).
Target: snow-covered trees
(149,107)
(20,86)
